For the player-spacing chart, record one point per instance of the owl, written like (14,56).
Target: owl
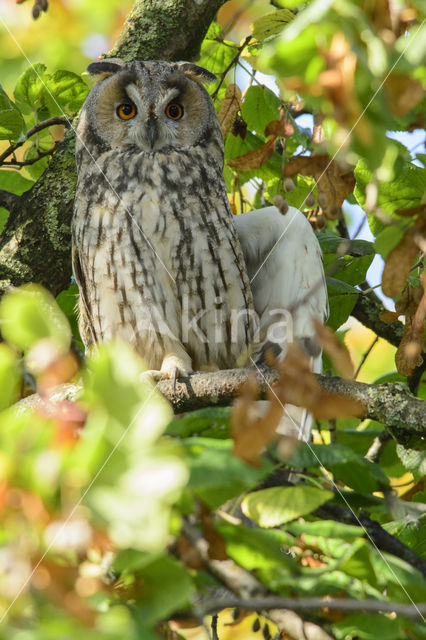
(159,258)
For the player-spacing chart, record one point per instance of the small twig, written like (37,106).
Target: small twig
(36,129)
(333,431)
(374,532)
(26,163)
(317,132)
(244,585)
(214,627)
(359,227)
(413,612)
(230,65)
(378,446)
(365,356)
(342,228)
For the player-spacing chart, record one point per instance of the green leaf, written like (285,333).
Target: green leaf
(216,474)
(67,302)
(257,548)
(167,587)
(136,504)
(290,4)
(14,181)
(9,377)
(354,470)
(68,90)
(413,459)
(340,309)
(338,286)
(387,240)
(12,124)
(216,53)
(348,268)
(115,383)
(276,505)
(330,243)
(29,314)
(327,529)
(49,94)
(211,419)
(292,54)
(270,24)
(260,107)
(365,627)
(33,151)
(30,91)
(404,191)
(303,185)
(130,560)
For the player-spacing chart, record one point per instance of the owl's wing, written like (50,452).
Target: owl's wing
(285,267)
(85,322)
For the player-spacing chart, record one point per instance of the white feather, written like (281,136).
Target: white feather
(284,264)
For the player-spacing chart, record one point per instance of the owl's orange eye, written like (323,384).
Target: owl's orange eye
(174,111)
(126,111)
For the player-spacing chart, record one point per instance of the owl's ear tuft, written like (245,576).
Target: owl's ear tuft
(199,74)
(104,68)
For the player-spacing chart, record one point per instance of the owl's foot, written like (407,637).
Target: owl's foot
(172,368)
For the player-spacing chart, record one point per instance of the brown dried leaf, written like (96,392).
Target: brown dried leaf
(403,93)
(253,159)
(388,317)
(412,211)
(400,260)
(252,432)
(189,555)
(334,183)
(282,128)
(408,355)
(217,548)
(298,385)
(229,107)
(335,349)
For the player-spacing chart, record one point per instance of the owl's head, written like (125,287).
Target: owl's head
(147,106)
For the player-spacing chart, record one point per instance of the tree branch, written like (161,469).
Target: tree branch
(246,587)
(367,310)
(403,415)
(268,603)
(375,533)
(391,404)
(26,163)
(38,127)
(9,200)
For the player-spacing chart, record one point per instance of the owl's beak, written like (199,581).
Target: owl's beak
(152,130)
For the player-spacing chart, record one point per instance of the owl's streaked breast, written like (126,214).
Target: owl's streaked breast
(159,249)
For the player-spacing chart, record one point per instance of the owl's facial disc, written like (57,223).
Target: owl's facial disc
(165,115)
(151,107)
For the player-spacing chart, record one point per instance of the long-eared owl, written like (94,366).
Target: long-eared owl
(158,256)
